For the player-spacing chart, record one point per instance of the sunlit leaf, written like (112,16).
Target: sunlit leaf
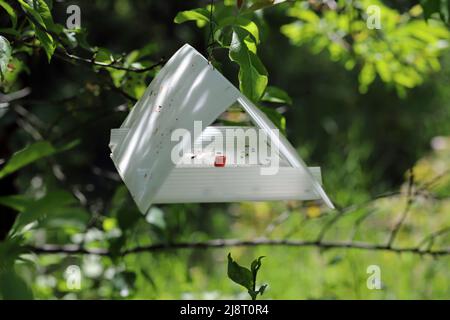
(42,21)
(12,14)
(252,73)
(402,52)
(200,15)
(243,23)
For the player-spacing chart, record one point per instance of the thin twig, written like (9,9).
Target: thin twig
(328,225)
(429,240)
(64,54)
(409,202)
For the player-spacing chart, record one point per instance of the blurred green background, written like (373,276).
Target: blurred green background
(365,143)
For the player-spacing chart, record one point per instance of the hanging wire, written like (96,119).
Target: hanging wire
(211,41)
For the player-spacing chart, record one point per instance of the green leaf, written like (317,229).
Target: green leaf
(119,198)
(246,277)
(47,42)
(200,15)
(41,15)
(127,216)
(10,31)
(13,287)
(253,77)
(66,217)
(26,156)
(444,12)
(277,118)
(10,249)
(436,6)
(276,95)
(103,55)
(41,208)
(12,14)
(17,202)
(262,289)
(31,153)
(383,70)
(5,56)
(366,77)
(115,246)
(49,4)
(147,50)
(81,38)
(243,23)
(40,8)
(256,264)
(239,274)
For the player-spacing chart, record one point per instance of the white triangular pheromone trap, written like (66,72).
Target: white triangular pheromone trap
(187,90)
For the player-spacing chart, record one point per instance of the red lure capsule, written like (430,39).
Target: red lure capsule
(220,161)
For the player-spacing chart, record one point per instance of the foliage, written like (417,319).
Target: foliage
(39,31)
(246,277)
(240,35)
(441,7)
(30,154)
(63,85)
(402,52)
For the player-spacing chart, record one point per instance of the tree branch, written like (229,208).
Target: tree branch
(222,243)
(64,55)
(319,243)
